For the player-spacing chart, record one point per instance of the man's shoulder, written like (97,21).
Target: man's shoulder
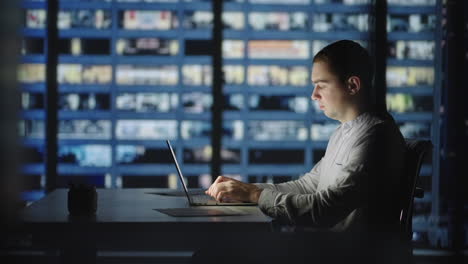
(380,116)
(379,125)
(385,128)
(384,118)
(380,119)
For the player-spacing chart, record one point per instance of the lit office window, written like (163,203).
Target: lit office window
(193,129)
(278,49)
(84,74)
(398,76)
(266,75)
(203,155)
(233,20)
(197,74)
(147,102)
(88,155)
(147,46)
(412,23)
(281,21)
(411,49)
(204,20)
(84,101)
(146,75)
(148,20)
(233,74)
(412,2)
(84,129)
(198,20)
(233,102)
(146,129)
(84,19)
(340,22)
(29,73)
(35,18)
(407,103)
(278,130)
(233,49)
(345,2)
(280,2)
(196,102)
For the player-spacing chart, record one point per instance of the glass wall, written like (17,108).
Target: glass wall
(133,73)
(411,66)
(31,77)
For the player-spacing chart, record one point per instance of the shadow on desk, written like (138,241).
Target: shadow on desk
(247,247)
(306,247)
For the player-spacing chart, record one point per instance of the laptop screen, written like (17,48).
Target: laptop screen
(179,172)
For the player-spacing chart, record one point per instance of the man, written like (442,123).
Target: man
(356,185)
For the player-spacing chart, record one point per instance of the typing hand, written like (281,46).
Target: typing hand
(225,189)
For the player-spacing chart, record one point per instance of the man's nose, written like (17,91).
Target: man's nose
(314,95)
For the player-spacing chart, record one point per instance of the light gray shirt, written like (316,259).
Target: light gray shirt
(347,188)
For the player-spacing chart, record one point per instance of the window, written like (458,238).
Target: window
(133,73)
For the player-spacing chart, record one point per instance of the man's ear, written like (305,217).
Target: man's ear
(354,85)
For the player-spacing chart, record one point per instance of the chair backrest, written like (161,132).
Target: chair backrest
(415,152)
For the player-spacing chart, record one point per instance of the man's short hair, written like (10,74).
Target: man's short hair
(347,58)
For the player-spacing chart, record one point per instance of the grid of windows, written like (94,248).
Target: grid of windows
(285,133)
(411,82)
(31,75)
(133,73)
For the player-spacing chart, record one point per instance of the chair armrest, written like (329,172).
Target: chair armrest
(419,192)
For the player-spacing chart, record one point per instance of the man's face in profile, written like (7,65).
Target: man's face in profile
(329,91)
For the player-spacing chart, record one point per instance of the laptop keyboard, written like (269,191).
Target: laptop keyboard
(203,199)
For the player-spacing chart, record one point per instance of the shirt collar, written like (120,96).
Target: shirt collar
(350,124)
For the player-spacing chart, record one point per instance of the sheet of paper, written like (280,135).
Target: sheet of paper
(197,211)
(178,193)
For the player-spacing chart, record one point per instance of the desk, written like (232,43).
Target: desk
(125,220)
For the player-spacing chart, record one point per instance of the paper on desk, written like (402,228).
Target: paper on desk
(199,211)
(179,193)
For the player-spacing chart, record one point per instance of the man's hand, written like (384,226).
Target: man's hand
(226,189)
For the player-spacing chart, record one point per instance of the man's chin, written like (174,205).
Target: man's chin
(330,115)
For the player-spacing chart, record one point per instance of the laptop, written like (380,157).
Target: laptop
(197,199)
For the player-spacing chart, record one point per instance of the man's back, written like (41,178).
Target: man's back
(383,161)
(357,180)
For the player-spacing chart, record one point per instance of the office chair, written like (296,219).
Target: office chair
(415,153)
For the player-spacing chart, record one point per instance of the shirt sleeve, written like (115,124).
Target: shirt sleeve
(306,184)
(327,207)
